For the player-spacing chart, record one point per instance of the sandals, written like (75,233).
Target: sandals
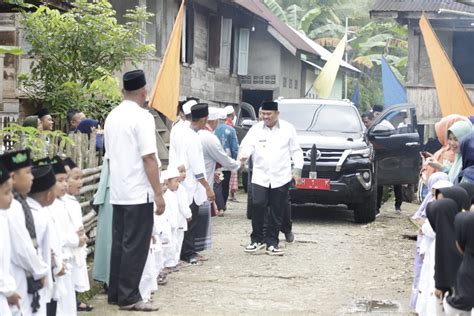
(140,306)
(86,308)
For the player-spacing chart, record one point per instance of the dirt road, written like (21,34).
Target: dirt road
(335,267)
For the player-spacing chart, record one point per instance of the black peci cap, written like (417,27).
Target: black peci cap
(199,110)
(58,165)
(134,80)
(15,160)
(43,180)
(42,162)
(4,174)
(269,106)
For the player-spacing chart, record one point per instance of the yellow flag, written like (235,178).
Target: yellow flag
(452,96)
(325,81)
(165,94)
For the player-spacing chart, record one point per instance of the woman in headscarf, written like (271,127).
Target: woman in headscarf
(426,301)
(33,121)
(469,187)
(457,194)
(467,158)
(441,215)
(462,302)
(455,135)
(444,156)
(419,217)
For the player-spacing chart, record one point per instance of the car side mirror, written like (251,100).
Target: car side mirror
(248,123)
(380,133)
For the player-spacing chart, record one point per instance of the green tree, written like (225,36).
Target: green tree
(77,53)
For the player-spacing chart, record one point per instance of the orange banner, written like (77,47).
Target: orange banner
(165,94)
(452,96)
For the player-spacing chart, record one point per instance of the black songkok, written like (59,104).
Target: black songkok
(15,160)
(134,80)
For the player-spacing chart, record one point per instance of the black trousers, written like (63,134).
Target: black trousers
(273,200)
(51,308)
(397,190)
(188,250)
(131,235)
(287,223)
(226,186)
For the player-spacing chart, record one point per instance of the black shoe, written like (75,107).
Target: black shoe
(290,237)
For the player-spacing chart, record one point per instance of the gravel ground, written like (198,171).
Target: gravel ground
(335,267)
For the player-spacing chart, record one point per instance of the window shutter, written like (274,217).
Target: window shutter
(183,39)
(226,37)
(244,38)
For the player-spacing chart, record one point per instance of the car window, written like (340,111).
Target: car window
(400,122)
(244,115)
(322,118)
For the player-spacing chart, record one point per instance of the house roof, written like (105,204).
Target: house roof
(259,9)
(419,6)
(286,34)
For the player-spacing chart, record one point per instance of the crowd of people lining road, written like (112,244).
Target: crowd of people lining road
(444,256)
(153,222)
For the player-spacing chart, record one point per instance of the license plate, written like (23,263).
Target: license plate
(314,184)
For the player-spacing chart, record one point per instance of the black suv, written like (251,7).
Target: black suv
(354,159)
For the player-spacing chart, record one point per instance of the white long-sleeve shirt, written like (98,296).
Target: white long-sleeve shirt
(25,258)
(213,152)
(272,151)
(184,210)
(188,149)
(7,282)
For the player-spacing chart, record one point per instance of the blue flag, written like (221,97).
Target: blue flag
(393,91)
(355,95)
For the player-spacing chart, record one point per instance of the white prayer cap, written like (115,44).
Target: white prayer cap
(214,114)
(188,105)
(442,184)
(172,172)
(222,114)
(229,109)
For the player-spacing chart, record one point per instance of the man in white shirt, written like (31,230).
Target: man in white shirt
(184,120)
(273,145)
(134,186)
(188,149)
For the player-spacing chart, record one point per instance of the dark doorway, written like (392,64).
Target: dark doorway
(255,97)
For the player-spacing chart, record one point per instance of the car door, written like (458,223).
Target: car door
(245,114)
(397,145)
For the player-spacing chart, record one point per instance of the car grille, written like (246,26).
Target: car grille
(327,155)
(325,174)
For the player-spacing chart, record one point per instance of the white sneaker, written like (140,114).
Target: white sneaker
(254,247)
(274,251)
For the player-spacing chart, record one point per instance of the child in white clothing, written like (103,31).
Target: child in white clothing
(171,214)
(184,214)
(80,274)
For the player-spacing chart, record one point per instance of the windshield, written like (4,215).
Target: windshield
(321,118)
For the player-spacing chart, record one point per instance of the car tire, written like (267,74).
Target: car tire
(365,212)
(249,202)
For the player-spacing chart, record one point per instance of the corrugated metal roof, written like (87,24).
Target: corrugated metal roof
(258,8)
(296,39)
(419,5)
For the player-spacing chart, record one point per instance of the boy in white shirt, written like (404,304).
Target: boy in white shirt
(162,239)
(171,215)
(64,237)
(80,274)
(175,176)
(9,298)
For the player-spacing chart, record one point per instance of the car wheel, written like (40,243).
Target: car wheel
(249,202)
(365,212)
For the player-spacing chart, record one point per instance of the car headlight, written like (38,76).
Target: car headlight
(361,153)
